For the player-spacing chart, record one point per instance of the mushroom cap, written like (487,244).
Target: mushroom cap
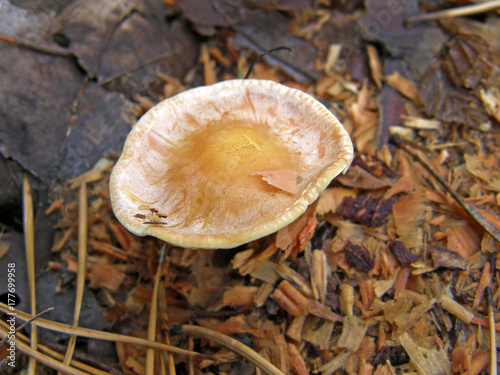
(218,166)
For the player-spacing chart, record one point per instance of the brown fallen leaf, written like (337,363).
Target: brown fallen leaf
(360,178)
(449,103)
(284,179)
(466,60)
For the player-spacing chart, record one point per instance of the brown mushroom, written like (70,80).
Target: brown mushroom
(221,165)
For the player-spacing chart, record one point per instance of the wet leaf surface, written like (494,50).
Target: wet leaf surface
(89,24)
(385,22)
(467,60)
(447,102)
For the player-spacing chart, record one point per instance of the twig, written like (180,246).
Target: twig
(25,324)
(493,338)
(82,264)
(471,211)
(29,240)
(456,12)
(46,50)
(139,66)
(252,64)
(234,345)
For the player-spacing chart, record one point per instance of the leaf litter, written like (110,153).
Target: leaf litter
(384,274)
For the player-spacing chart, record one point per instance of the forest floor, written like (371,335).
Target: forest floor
(393,269)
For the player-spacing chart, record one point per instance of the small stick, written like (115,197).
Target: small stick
(493,339)
(252,64)
(46,50)
(141,65)
(471,211)
(456,12)
(29,240)
(26,323)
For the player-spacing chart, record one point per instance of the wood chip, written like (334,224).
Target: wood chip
(455,308)
(447,259)
(346,299)
(353,332)
(433,362)
(404,87)
(290,299)
(484,281)
(375,65)
(461,358)
(319,274)
(336,363)
(105,276)
(317,331)
(296,360)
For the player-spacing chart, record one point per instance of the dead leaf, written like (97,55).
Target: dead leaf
(447,102)
(359,178)
(466,60)
(88,25)
(284,179)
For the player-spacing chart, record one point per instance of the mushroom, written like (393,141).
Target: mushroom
(218,166)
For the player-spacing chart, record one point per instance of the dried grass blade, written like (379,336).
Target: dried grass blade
(48,351)
(29,240)
(162,303)
(150,353)
(82,264)
(493,339)
(234,345)
(456,12)
(42,358)
(107,336)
